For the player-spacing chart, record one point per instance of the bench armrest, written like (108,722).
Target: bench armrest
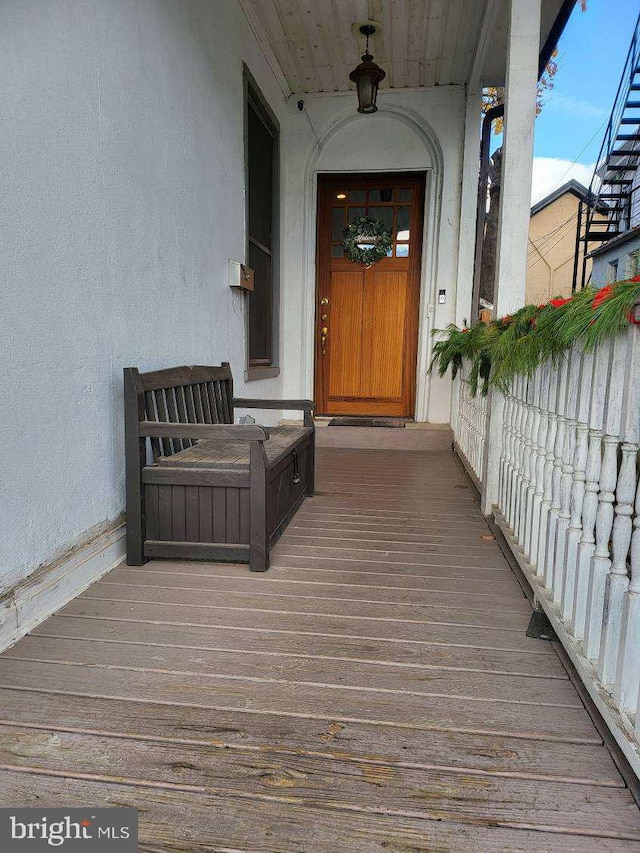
(302,405)
(226,432)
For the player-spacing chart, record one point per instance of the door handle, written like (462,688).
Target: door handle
(324,331)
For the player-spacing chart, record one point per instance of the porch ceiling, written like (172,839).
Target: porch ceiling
(313,46)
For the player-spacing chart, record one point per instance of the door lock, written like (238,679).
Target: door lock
(324,301)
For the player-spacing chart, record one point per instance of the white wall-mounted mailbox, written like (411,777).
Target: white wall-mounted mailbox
(240,275)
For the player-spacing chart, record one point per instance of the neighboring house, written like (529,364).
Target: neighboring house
(552,243)
(617,259)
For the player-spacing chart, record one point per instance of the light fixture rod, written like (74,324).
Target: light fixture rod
(367,30)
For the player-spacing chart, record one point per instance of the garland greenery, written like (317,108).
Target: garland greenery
(520,342)
(366,229)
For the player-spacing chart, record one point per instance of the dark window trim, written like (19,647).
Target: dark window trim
(253,95)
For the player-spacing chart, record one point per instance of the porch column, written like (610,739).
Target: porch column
(468,207)
(517,154)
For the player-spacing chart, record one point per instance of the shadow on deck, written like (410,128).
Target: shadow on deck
(374,691)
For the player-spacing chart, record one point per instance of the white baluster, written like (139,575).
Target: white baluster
(504,456)
(601,563)
(464,428)
(465,407)
(472,426)
(552,428)
(458,420)
(628,670)
(554,509)
(512,451)
(515,444)
(586,547)
(534,452)
(617,581)
(510,446)
(577,491)
(527,452)
(527,449)
(483,435)
(479,437)
(470,438)
(566,479)
(522,428)
(472,435)
(522,421)
(539,463)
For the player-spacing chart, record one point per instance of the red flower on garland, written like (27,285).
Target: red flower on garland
(607,292)
(558,303)
(601,296)
(632,313)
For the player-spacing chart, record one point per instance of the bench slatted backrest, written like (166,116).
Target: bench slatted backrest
(188,395)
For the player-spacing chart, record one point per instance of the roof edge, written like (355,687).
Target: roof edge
(572,186)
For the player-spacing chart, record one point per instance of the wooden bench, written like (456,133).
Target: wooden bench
(200,487)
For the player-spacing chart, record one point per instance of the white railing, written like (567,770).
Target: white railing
(563,452)
(470,423)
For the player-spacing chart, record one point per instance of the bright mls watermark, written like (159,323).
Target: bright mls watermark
(103,830)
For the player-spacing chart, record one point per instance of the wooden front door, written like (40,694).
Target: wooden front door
(367,317)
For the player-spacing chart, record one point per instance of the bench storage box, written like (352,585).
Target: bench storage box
(200,487)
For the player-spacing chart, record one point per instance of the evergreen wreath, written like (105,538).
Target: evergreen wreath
(366,229)
(518,343)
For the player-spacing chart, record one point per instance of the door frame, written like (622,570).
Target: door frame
(414,318)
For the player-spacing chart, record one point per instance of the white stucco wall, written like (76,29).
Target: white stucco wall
(413,130)
(122,173)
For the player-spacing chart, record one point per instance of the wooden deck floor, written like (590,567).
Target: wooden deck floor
(375,691)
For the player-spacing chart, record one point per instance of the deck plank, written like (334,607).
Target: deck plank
(359,608)
(222,663)
(515,757)
(267,642)
(368,584)
(291,554)
(297,621)
(285,583)
(374,691)
(313,701)
(186,821)
(374,789)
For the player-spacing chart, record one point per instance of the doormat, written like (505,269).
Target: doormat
(394,423)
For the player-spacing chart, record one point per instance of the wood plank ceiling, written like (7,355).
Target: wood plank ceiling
(421,43)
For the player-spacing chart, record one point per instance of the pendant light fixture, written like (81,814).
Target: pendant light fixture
(367,76)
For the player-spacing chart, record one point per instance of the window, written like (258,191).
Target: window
(612,271)
(262,181)
(634,263)
(385,203)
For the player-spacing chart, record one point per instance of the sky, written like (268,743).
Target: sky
(571,126)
